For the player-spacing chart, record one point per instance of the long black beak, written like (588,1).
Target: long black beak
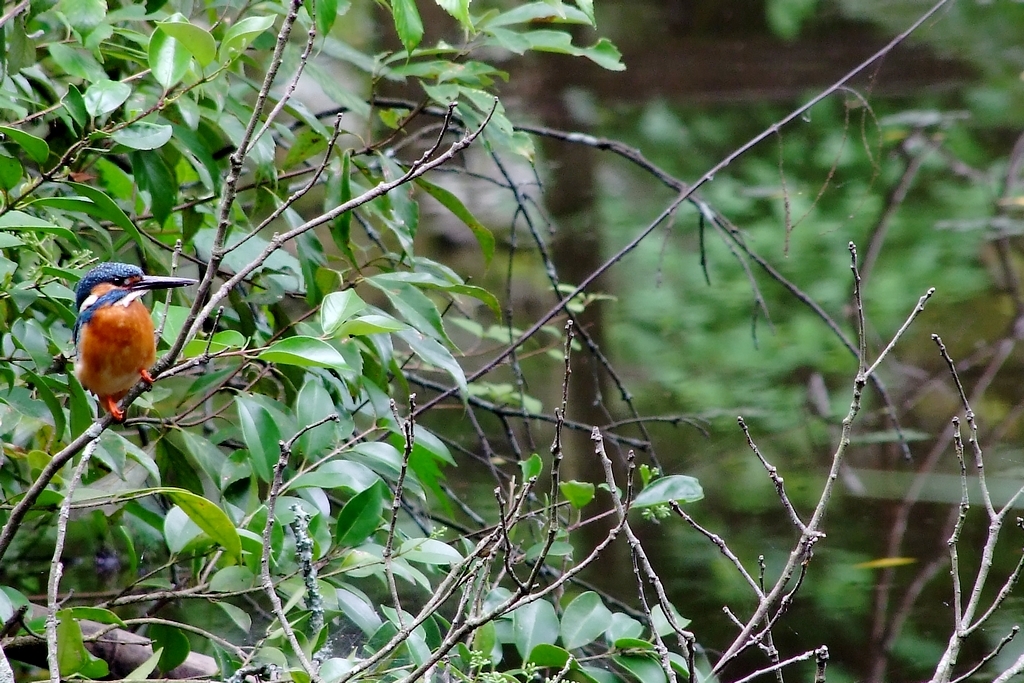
(161,282)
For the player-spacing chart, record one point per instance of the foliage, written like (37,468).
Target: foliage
(272,465)
(283,502)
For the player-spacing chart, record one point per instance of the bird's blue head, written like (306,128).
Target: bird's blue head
(126,280)
(117,274)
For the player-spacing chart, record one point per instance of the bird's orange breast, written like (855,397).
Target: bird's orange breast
(116,344)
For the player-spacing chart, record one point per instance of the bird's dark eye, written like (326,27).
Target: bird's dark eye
(119,281)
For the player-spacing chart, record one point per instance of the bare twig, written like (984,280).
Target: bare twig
(773,473)
(57,567)
(778,666)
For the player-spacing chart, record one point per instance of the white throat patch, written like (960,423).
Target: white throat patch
(129,298)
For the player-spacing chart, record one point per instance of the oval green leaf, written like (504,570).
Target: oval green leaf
(533,624)
(584,621)
(531,467)
(337,308)
(196,40)
(360,517)
(677,487)
(10,172)
(210,519)
(429,551)
(370,324)
(105,96)
(143,135)
(305,352)
(174,643)
(168,58)
(644,669)
(261,436)
(578,493)
(241,34)
(550,656)
(36,148)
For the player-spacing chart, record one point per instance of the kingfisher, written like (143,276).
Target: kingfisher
(114,333)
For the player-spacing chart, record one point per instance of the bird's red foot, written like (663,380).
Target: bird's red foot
(148,378)
(111,405)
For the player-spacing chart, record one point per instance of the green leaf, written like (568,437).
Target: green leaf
(239,616)
(172,641)
(360,610)
(97,614)
(81,411)
(459,9)
(75,106)
(531,467)
(108,209)
(305,352)
(240,35)
(36,148)
(325,13)
(315,404)
(548,12)
(143,135)
(785,17)
(679,664)
(105,96)
(83,15)
(225,340)
(231,579)
(633,644)
(578,493)
(407,23)
(533,624)
(661,624)
(169,59)
(195,39)
(142,671)
(623,626)
(644,669)
(429,551)
(210,519)
(361,516)
(549,656)
(336,474)
(413,305)
(77,63)
(199,153)
(434,354)
(483,236)
(433,275)
(598,675)
(584,620)
(153,176)
(261,436)
(50,399)
(603,52)
(370,324)
(72,657)
(341,227)
(19,220)
(587,7)
(307,144)
(485,639)
(384,459)
(179,529)
(337,308)
(10,172)
(677,487)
